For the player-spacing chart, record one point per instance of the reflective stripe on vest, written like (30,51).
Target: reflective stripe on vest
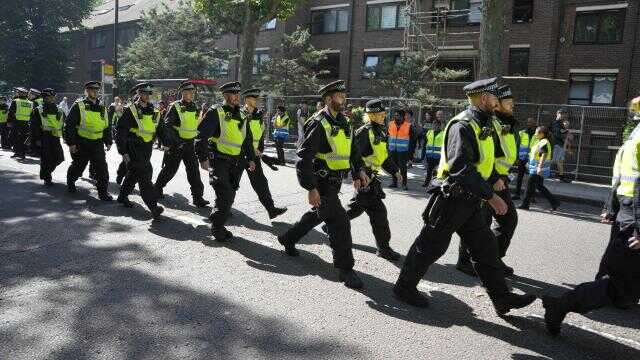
(340,155)
(485,164)
(51,122)
(629,170)
(509,148)
(3,116)
(399,137)
(534,158)
(92,123)
(188,123)
(257,129)
(23,109)
(379,154)
(231,136)
(433,145)
(146,126)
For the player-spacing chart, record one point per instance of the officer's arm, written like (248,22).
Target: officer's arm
(110,111)
(123,130)
(169,135)
(390,166)
(636,196)
(462,153)
(11,114)
(357,164)
(70,126)
(206,129)
(36,124)
(247,145)
(307,152)
(107,135)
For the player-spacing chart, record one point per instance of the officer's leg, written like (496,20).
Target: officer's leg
(144,175)
(223,188)
(396,159)
(170,164)
(338,229)
(193,171)
(545,192)
(45,160)
(403,159)
(379,221)
(4,136)
(355,207)
(99,162)
(19,139)
(531,189)
(79,162)
(260,185)
(130,178)
(121,172)
(505,224)
(280,150)
(521,170)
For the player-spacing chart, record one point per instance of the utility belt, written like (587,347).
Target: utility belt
(448,189)
(231,159)
(331,175)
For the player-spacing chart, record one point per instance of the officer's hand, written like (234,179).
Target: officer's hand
(499,185)
(399,177)
(634,243)
(357,184)
(252,166)
(126,158)
(204,165)
(73,149)
(314,198)
(364,179)
(498,205)
(605,219)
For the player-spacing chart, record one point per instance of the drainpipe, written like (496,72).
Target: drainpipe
(561,27)
(350,58)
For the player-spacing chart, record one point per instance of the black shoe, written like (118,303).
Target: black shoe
(289,248)
(200,202)
(555,205)
(512,301)
(275,212)
(222,234)
(71,188)
(119,179)
(388,253)
(523,207)
(125,201)
(410,296)
(48,182)
(105,197)
(350,279)
(467,268)
(554,314)
(157,211)
(507,270)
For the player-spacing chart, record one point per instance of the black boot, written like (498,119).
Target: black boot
(276,211)
(159,192)
(71,188)
(124,200)
(388,254)
(156,212)
(554,314)
(410,296)
(512,301)
(350,279)
(221,234)
(105,197)
(48,182)
(289,247)
(200,202)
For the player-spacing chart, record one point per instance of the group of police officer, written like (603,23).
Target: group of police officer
(477,148)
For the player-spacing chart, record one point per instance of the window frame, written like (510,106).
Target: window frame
(459,23)
(622,13)
(400,5)
(94,35)
(592,86)
(330,75)
(381,55)
(337,10)
(519,49)
(258,61)
(513,11)
(264,27)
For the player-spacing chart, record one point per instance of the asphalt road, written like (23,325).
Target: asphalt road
(82,279)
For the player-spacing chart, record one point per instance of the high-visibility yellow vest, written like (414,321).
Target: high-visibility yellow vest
(339,156)
(627,167)
(188,128)
(379,154)
(534,158)
(92,123)
(485,164)
(51,122)
(433,143)
(146,126)
(281,125)
(23,109)
(3,116)
(257,129)
(232,135)
(509,148)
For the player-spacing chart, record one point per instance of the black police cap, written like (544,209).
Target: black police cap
(231,87)
(144,87)
(186,85)
(374,106)
(485,85)
(504,92)
(336,86)
(21,89)
(252,92)
(35,91)
(92,85)
(48,92)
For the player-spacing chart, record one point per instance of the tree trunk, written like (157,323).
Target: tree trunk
(491,38)
(248,47)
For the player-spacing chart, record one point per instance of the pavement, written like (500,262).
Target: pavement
(84,279)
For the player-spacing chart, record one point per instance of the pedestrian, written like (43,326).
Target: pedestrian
(18,118)
(179,129)
(134,140)
(559,133)
(225,147)
(621,261)
(399,143)
(5,142)
(526,139)
(257,178)
(319,106)
(280,131)
(302,115)
(433,149)
(64,106)
(456,205)
(326,156)
(47,120)
(540,169)
(506,153)
(87,132)
(417,142)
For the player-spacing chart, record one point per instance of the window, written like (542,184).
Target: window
(331,65)
(599,27)
(330,21)
(592,89)
(386,16)
(376,65)
(95,71)
(519,61)
(522,11)
(458,64)
(260,59)
(97,39)
(465,12)
(271,25)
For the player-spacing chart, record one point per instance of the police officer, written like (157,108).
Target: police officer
(433,149)
(466,165)
(526,140)
(35,96)
(257,178)
(326,155)
(506,153)
(88,133)
(179,129)
(224,147)
(371,140)
(5,143)
(47,121)
(134,138)
(621,261)
(280,131)
(18,119)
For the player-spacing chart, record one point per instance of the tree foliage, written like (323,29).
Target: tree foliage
(34,50)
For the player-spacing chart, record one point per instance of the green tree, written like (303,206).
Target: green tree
(34,50)
(293,70)
(245,18)
(174,44)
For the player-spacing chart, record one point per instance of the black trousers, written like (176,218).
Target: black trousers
(503,228)
(260,185)
(464,216)
(334,215)
(19,134)
(280,150)
(225,179)
(370,201)
(522,170)
(537,182)
(431,167)
(90,151)
(51,155)
(122,168)
(139,171)
(172,158)
(5,141)
(400,158)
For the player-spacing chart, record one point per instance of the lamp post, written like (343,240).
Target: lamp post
(115,50)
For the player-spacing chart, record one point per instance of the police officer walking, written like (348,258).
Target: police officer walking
(47,121)
(87,133)
(180,128)
(134,138)
(257,178)
(281,131)
(456,205)
(5,143)
(326,155)
(224,146)
(18,119)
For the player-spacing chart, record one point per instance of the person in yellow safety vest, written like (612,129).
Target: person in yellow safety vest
(225,148)
(135,135)
(46,129)
(526,139)
(5,142)
(434,139)
(18,120)
(87,132)
(177,134)
(456,204)
(280,131)
(506,154)
(540,169)
(621,260)
(327,155)
(400,135)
